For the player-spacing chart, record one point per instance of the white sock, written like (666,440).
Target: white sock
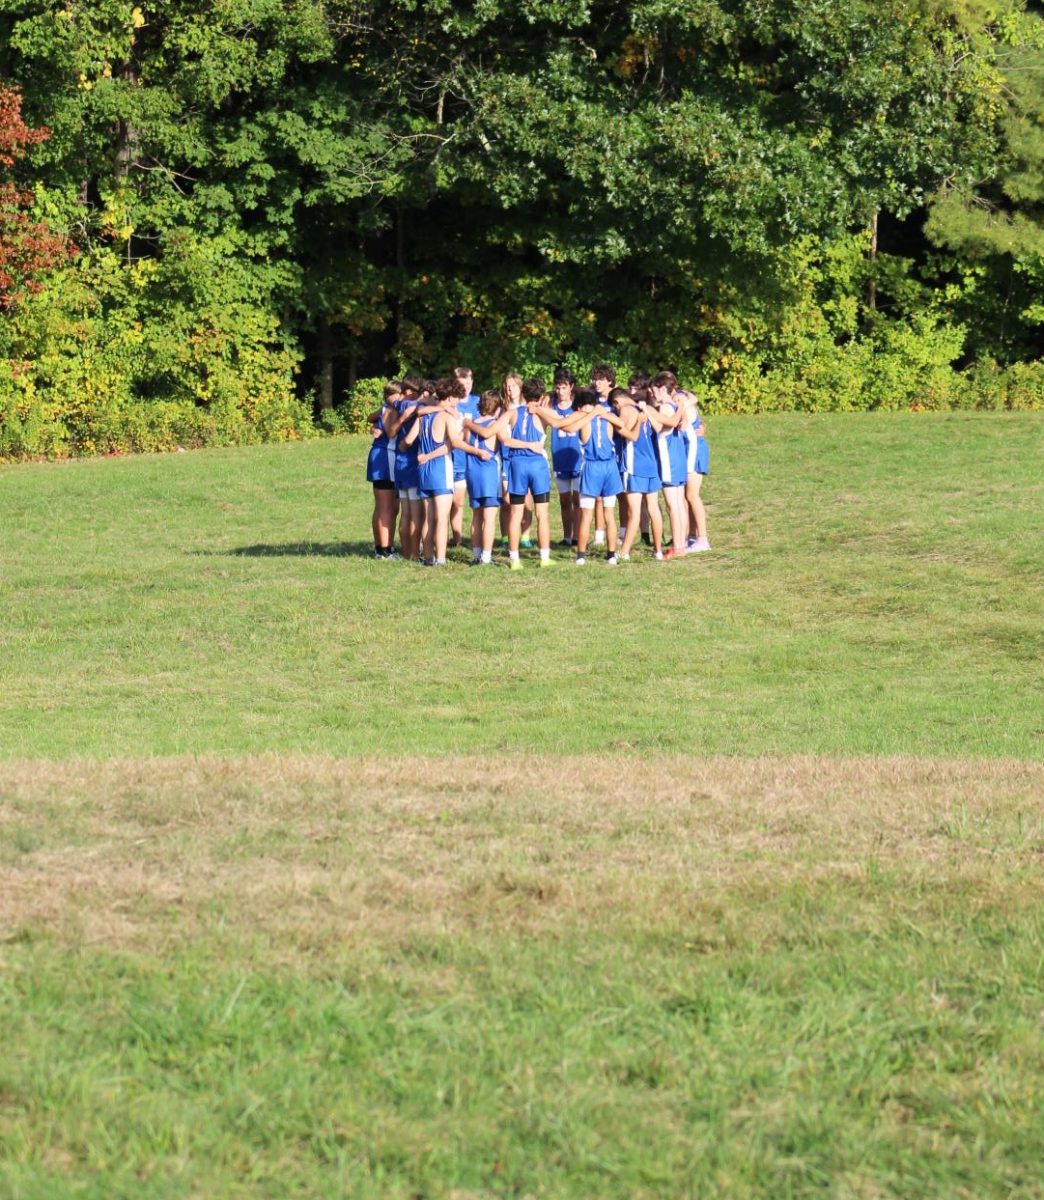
(545,554)
(513,555)
(599,537)
(486,556)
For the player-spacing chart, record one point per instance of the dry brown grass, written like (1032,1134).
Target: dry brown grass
(308,851)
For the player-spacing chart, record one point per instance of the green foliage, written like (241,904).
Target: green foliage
(365,398)
(512,185)
(149,356)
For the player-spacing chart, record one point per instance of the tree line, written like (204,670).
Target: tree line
(220,218)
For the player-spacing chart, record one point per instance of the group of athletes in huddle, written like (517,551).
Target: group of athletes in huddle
(436,445)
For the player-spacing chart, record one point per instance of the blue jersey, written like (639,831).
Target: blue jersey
(468,407)
(406,456)
(640,457)
(525,428)
(599,446)
(435,476)
(483,477)
(672,453)
(566,451)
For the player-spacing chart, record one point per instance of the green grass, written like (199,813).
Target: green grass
(321,877)
(875,587)
(312,977)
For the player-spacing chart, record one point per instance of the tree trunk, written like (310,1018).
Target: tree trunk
(871,285)
(325,364)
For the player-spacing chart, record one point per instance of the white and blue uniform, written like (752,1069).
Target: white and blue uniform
(436,476)
(600,476)
(468,407)
(697,454)
(526,470)
(566,451)
(380,462)
(670,447)
(406,476)
(483,477)
(639,463)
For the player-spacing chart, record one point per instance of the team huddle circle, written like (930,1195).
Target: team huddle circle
(438,448)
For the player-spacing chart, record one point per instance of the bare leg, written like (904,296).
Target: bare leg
(384,518)
(460,498)
(543,520)
(675,497)
(610,527)
(565,500)
(696,509)
(439,510)
(515,527)
(631,515)
(654,519)
(585,530)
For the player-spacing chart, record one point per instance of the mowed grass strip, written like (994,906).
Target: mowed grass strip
(876,587)
(621,976)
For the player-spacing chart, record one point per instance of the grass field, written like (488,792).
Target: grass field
(875,588)
(321,877)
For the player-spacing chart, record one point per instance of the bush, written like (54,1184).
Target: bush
(144,357)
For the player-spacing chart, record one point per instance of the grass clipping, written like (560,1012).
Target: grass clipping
(306,852)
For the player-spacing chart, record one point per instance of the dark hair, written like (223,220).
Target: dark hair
(412,383)
(460,372)
(604,371)
(563,375)
(665,379)
(490,402)
(533,388)
(585,398)
(640,379)
(618,394)
(428,385)
(392,388)
(642,395)
(449,388)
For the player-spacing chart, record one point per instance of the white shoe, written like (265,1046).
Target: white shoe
(699,545)
(610,560)
(580,560)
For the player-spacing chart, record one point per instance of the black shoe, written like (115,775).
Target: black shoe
(646,539)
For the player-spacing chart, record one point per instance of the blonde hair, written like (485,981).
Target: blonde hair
(512,377)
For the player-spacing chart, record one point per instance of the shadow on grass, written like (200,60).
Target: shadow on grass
(297,550)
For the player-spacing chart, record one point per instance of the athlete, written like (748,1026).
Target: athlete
(380,471)
(566,457)
(467,408)
(525,464)
(698,464)
(667,418)
(603,380)
(600,476)
(484,477)
(407,483)
(438,435)
(639,468)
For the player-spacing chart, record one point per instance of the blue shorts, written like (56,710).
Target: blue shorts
(485,501)
(380,464)
(460,460)
(567,462)
(406,472)
(702,466)
(670,450)
(528,473)
(644,485)
(436,477)
(600,477)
